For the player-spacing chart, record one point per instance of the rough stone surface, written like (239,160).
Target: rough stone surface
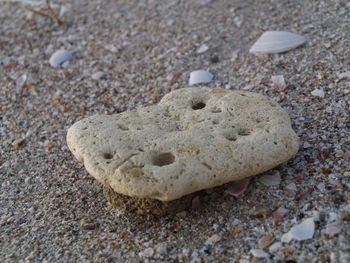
(195,138)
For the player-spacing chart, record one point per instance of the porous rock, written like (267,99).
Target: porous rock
(194,139)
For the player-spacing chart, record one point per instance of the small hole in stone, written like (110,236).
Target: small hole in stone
(107,156)
(122,127)
(231,137)
(243,132)
(216,110)
(215,122)
(242,94)
(198,106)
(275,143)
(163,159)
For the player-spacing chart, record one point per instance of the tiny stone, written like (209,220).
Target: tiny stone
(17,143)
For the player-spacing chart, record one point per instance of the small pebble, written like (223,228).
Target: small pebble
(17,143)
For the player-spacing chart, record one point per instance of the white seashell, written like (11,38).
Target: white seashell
(318,93)
(202,49)
(21,80)
(59,57)
(259,253)
(277,42)
(97,75)
(200,76)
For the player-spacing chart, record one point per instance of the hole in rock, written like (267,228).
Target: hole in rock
(243,132)
(122,127)
(216,110)
(198,105)
(163,159)
(231,137)
(107,156)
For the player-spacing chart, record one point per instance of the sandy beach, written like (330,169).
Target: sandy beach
(52,210)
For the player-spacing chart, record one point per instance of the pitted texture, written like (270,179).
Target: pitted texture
(194,139)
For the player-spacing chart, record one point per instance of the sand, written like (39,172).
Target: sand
(52,210)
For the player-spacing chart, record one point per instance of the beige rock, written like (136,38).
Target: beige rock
(194,139)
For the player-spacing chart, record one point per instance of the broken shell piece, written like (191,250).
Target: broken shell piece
(59,57)
(300,232)
(239,187)
(279,213)
(21,81)
(203,48)
(271,179)
(277,42)
(344,75)
(259,253)
(318,93)
(213,239)
(98,75)
(200,76)
(278,83)
(333,229)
